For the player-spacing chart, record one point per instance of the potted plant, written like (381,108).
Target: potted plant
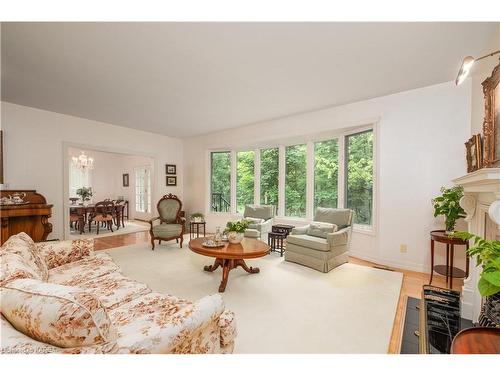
(488,256)
(235,230)
(447,204)
(84,193)
(197,217)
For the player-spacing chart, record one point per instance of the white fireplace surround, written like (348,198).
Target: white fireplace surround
(481,202)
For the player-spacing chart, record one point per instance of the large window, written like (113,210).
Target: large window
(221,181)
(359,176)
(245,179)
(295,181)
(326,173)
(269,176)
(299,178)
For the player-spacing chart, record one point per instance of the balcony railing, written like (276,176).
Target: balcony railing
(220,203)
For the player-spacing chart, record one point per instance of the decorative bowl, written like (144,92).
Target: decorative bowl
(235,237)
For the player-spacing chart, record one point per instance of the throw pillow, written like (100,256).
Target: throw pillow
(321,230)
(57,253)
(23,245)
(59,315)
(254,220)
(14,266)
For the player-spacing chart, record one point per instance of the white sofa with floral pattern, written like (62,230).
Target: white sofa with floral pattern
(61,297)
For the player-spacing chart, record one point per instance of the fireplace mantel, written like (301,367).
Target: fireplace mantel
(486,180)
(481,200)
(483,181)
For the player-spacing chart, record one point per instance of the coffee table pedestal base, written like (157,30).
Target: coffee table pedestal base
(227,265)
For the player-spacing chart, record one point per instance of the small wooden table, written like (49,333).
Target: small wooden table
(230,256)
(276,242)
(194,228)
(449,271)
(477,340)
(282,228)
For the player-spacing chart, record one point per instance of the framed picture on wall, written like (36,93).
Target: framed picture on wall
(170,169)
(125,179)
(171,180)
(474,153)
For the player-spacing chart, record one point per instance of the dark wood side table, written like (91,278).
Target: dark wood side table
(282,228)
(275,242)
(477,340)
(448,270)
(194,229)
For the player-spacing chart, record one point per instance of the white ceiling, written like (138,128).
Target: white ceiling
(186,79)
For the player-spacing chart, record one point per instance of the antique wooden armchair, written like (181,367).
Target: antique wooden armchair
(171,224)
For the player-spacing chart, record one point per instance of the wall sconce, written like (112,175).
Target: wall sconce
(467,65)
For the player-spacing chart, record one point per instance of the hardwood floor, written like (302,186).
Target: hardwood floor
(412,281)
(412,287)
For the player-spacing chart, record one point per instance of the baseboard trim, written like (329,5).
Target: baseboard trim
(388,263)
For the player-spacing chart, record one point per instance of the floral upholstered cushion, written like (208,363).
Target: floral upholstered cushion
(14,266)
(57,253)
(159,323)
(15,342)
(23,245)
(114,289)
(83,270)
(62,316)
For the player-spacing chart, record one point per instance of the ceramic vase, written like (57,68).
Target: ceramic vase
(234,237)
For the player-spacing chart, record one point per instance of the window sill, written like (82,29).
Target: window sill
(364,229)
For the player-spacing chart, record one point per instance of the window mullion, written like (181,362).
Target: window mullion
(233,181)
(281,182)
(256,180)
(341,173)
(309,180)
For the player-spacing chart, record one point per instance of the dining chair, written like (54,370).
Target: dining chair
(104,212)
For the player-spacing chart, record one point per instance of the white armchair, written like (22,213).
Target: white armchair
(262,218)
(324,244)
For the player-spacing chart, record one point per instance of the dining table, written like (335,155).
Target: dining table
(83,212)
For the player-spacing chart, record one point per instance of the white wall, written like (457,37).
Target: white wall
(34,158)
(420,145)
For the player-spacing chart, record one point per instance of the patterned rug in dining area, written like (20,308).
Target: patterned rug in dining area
(131,226)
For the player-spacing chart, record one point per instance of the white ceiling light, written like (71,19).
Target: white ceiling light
(467,64)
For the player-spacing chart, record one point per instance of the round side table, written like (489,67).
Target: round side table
(448,270)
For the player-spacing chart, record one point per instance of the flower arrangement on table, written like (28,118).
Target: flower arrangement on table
(84,193)
(235,230)
(197,217)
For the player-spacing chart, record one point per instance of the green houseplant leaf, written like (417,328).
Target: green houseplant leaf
(487,289)
(237,226)
(487,255)
(447,204)
(492,277)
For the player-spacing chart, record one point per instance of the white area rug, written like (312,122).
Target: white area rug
(130,227)
(286,308)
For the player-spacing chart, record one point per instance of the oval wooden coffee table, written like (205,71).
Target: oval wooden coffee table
(230,256)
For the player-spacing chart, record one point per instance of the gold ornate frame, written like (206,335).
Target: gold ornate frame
(491,130)
(473,153)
